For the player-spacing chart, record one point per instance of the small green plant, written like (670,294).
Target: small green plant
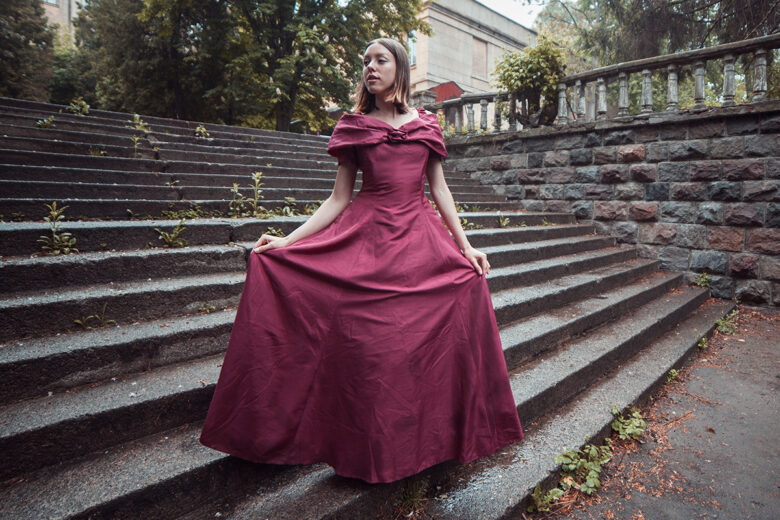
(581,468)
(671,375)
(728,324)
(250,139)
(546,222)
(189,213)
(542,501)
(138,124)
(502,221)
(630,427)
(207,308)
(99,318)
(254,201)
(97,152)
(17,216)
(46,123)
(703,280)
(412,497)
(173,239)
(289,209)
(201,131)
(237,206)
(702,343)
(135,139)
(172,184)
(60,242)
(78,106)
(277,232)
(465,224)
(311,208)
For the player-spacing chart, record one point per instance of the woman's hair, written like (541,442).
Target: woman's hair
(399,92)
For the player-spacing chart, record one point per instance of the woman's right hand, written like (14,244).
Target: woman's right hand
(269,242)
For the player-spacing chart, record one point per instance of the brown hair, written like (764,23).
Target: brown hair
(399,92)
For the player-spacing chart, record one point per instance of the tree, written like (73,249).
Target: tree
(25,50)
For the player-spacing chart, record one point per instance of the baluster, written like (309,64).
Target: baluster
(759,76)
(497,114)
(601,85)
(622,94)
(483,104)
(582,101)
(698,86)
(512,114)
(470,117)
(729,87)
(563,110)
(591,103)
(458,117)
(647,92)
(671,92)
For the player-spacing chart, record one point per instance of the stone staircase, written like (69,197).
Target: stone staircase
(103,422)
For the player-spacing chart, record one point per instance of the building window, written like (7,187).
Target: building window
(411,44)
(479,58)
(51,2)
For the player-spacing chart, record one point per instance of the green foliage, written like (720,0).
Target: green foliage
(207,308)
(728,324)
(702,343)
(630,427)
(542,501)
(60,242)
(138,124)
(502,222)
(135,139)
(97,152)
(581,468)
(189,213)
(46,123)
(277,232)
(412,496)
(201,132)
(26,50)
(671,375)
(289,209)
(72,75)
(173,239)
(703,280)
(465,224)
(78,106)
(530,75)
(545,222)
(99,318)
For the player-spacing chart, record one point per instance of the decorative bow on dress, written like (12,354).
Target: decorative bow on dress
(396,135)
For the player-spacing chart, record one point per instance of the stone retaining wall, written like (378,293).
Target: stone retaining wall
(698,191)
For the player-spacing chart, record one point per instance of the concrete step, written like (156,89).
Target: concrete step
(35,145)
(58,272)
(500,486)
(192,152)
(38,313)
(33,367)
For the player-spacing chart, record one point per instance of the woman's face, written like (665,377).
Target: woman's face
(378,69)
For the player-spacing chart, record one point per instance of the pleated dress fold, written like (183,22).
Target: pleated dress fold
(372,344)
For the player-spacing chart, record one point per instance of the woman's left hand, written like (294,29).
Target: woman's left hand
(478,260)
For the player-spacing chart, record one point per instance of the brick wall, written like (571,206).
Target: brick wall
(698,191)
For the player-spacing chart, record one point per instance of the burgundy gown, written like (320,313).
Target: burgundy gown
(372,344)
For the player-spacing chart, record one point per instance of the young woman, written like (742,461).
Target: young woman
(366,338)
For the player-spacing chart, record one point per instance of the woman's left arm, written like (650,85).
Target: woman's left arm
(446,205)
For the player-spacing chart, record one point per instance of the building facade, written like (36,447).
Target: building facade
(61,13)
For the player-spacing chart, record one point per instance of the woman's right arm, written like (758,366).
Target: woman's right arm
(325,214)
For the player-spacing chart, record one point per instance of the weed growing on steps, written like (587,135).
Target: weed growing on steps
(16,216)
(135,139)
(545,222)
(99,318)
(207,308)
(411,499)
(172,239)
(703,280)
(97,152)
(702,343)
(60,242)
(671,375)
(78,106)
(277,232)
(728,324)
(502,222)
(193,212)
(310,208)
(138,124)
(628,428)
(46,123)
(465,224)
(256,193)
(201,132)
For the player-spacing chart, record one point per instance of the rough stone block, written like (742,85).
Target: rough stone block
(687,150)
(630,191)
(721,287)
(770,124)
(744,214)
(753,191)
(674,172)
(574,192)
(772,219)
(625,232)
(613,173)
(706,170)
(499,163)
(691,236)
(565,142)
(535,160)
(599,191)
(531,191)
(681,212)
(769,268)
(631,153)
(743,170)
(604,155)
(710,213)
(689,191)
(556,158)
(533,205)
(519,160)
(550,191)
(724,191)
(581,156)
(587,174)
(583,209)
(510,147)
(765,241)
(742,125)
(560,175)
(673,133)
(753,291)
(645,134)
(592,139)
(647,251)
(643,172)
(702,130)
(557,206)
(727,148)
(776,294)
(643,211)
(514,192)
(530,176)
(673,258)
(466,165)
(725,238)
(709,261)
(657,233)
(657,152)
(539,144)
(744,265)
(657,191)
(619,137)
(762,145)
(772,168)
(610,210)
